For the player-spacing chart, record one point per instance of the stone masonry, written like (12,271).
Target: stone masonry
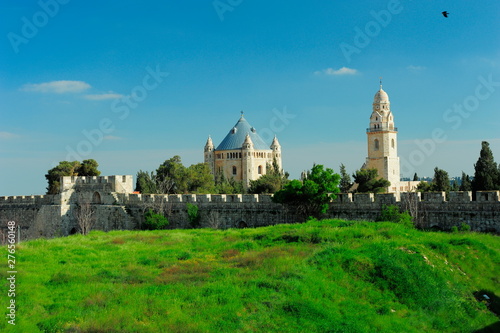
(117,208)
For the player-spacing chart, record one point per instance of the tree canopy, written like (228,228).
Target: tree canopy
(345,180)
(486,175)
(271,182)
(369,182)
(311,196)
(173,177)
(440,182)
(66,168)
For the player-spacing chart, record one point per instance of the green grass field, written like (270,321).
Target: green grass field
(320,276)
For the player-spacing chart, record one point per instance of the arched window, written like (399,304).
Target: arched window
(376,144)
(392,143)
(259,170)
(235,171)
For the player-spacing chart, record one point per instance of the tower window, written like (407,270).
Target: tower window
(259,170)
(376,144)
(392,143)
(234,171)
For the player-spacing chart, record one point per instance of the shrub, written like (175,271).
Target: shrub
(391,213)
(193,215)
(464,227)
(154,221)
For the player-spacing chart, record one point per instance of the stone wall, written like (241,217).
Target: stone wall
(431,209)
(117,208)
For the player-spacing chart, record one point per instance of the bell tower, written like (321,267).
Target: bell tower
(383,141)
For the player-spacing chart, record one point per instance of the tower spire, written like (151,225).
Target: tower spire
(380,82)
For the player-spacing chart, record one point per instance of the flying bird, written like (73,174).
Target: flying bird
(445,13)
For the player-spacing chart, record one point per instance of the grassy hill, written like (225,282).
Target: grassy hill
(321,276)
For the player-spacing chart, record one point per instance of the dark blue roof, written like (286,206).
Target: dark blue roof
(236,136)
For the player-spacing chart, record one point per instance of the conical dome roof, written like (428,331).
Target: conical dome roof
(236,136)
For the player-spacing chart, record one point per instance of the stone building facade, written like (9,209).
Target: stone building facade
(382,142)
(242,155)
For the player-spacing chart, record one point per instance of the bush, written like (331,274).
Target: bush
(154,221)
(193,215)
(464,227)
(391,213)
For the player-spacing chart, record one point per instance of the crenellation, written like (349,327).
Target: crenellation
(189,198)
(434,196)
(465,196)
(233,197)
(250,198)
(134,198)
(51,215)
(265,198)
(203,198)
(362,198)
(218,198)
(175,198)
(387,198)
(487,196)
(343,197)
(410,197)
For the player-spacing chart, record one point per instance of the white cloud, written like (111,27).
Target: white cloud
(340,71)
(7,135)
(101,97)
(415,68)
(57,87)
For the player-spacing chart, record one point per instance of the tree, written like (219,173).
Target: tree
(89,168)
(369,182)
(271,182)
(415,177)
(424,186)
(486,175)
(74,168)
(146,182)
(345,180)
(466,184)
(441,181)
(200,179)
(85,215)
(171,176)
(224,185)
(311,196)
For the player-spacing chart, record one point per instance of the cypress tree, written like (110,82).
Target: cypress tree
(486,173)
(466,183)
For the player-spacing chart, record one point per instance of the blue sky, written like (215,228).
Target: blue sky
(134,84)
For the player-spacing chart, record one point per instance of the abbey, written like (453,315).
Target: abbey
(242,155)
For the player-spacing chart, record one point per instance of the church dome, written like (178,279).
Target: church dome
(381,97)
(237,135)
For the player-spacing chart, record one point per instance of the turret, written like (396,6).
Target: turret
(209,154)
(209,146)
(276,148)
(247,161)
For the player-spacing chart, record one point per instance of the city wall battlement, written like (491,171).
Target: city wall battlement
(116,207)
(342,198)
